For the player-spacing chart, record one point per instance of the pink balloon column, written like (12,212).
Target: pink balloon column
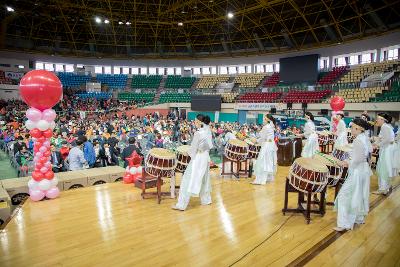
(337,104)
(41,90)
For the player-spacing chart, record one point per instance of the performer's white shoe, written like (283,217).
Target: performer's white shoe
(174,207)
(339,229)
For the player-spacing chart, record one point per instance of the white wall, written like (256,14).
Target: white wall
(9,92)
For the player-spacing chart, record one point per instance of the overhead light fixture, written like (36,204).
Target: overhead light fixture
(21,66)
(180,23)
(97,19)
(230,15)
(183,11)
(10,9)
(106,21)
(120,22)
(128,23)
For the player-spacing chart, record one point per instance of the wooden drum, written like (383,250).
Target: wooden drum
(254,148)
(183,158)
(160,162)
(342,152)
(323,138)
(308,175)
(236,150)
(335,171)
(285,151)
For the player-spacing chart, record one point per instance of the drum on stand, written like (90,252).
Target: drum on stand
(254,148)
(236,150)
(160,162)
(285,151)
(323,141)
(335,171)
(298,147)
(342,152)
(183,158)
(308,175)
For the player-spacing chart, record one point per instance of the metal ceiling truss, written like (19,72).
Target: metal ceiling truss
(191,28)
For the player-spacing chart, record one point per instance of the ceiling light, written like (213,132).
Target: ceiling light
(183,11)
(120,22)
(21,66)
(180,23)
(128,23)
(97,19)
(106,21)
(10,9)
(230,15)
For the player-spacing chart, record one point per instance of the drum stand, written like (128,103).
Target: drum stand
(238,170)
(154,182)
(300,201)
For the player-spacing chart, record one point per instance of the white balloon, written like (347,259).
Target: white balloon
(44,185)
(43,125)
(30,125)
(52,125)
(139,169)
(54,182)
(132,170)
(33,185)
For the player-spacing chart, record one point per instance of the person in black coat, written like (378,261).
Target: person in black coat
(56,161)
(129,150)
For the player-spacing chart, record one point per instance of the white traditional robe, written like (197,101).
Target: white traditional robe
(385,166)
(196,180)
(266,164)
(311,145)
(397,153)
(352,202)
(341,132)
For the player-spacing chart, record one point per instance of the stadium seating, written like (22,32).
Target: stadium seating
(209,81)
(95,95)
(175,98)
(113,81)
(229,97)
(306,96)
(69,79)
(392,95)
(259,97)
(248,80)
(179,82)
(332,76)
(360,95)
(138,97)
(273,80)
(143,81)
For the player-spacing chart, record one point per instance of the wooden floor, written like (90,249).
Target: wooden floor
(110,225)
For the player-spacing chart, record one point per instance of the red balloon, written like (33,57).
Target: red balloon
(337,103)
(43,160)
(127,179)
(48,133)
(35,149)
(41,140)
(39,165)
(49,175)
(47,153)
(37,176)
(36,133)
(40,89)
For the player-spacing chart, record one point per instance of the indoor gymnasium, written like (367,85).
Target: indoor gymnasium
(199,133)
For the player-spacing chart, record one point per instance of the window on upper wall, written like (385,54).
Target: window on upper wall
(69,68)
(259,68)
(213,70)
(125,70)
(393,54)
(223,70)
(59,67)
(135,71)
(206,70)
(354,60)
(49,66)
(143,71)
(277,67)
(269,68)
(242,69)
(160,71)
(178,71)
(107,69)
(196,71)
(366,58)
(39,66)
(341,61)
(232,70)
(98,69)
(152,71)
(117,70)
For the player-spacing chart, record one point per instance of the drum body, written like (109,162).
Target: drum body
(254,149)
(236,150)
(183,158)
(335,171)
(285,152)
(298,147)
(160,163)
(323,138)
(308,175)
(342,152)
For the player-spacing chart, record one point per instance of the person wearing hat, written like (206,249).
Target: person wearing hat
(341,132)
(311,146)
(352,202)
(385,167)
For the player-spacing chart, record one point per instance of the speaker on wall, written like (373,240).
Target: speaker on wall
(273,110)
(289,105)
(304,105)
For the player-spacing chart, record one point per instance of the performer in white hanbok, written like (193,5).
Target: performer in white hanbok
(266,164)
(385,167)
(352,202)
(196,180)
(341,132)
(311,145)
(397,153)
